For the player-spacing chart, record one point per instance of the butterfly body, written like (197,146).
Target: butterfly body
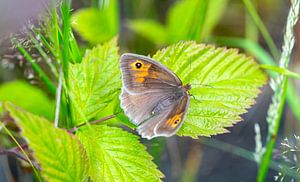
(153,97)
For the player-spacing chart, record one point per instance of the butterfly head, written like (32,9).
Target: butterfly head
(187,88)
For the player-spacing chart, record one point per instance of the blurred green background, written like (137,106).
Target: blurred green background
(144,26)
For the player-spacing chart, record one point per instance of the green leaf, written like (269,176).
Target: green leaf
(35,100)
(150,29)
(97,25)
(116,155)
(223,81)
(186,20)
(61,156)
(95,82)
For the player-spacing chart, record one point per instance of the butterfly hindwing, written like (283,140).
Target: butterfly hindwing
(138,107)
(167,122)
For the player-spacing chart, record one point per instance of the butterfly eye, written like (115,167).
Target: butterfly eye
(138,65)
(176,122)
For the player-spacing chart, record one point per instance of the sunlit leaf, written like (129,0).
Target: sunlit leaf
(97,25)
(116,155)
(28,97)
(95,82)
(224,84)
(60,154)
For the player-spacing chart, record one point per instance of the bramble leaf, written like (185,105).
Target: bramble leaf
(116,155)
(95,82)
(60,154)
(224,84)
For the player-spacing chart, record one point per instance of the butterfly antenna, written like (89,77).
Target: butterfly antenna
(195,98)
(204,85)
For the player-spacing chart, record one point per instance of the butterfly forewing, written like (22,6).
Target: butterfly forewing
(142,74)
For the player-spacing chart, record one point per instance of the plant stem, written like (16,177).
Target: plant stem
(58,97)
(259,23)
(74,129)
(35,66)
(279,85)
(43,53)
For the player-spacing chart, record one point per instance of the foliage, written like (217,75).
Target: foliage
(116,155)
(186,20)
(61,156)
(97,25)
(27,96)
(101,152)
(95,82)
(224,85)
(223,82)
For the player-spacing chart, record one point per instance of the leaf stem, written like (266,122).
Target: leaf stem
(74,129)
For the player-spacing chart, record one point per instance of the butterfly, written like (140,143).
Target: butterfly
(152,97)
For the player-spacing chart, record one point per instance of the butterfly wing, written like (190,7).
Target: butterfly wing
(167,122)
(151,96)
(143,74)
(140,107)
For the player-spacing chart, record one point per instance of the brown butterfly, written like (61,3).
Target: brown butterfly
(153,97)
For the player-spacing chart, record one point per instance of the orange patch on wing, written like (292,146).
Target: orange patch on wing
(141,71)
(173,122)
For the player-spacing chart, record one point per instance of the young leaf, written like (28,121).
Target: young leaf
(224,84)
(95,82)
(116,155)
(61,156)
(97,25)
(34,100)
